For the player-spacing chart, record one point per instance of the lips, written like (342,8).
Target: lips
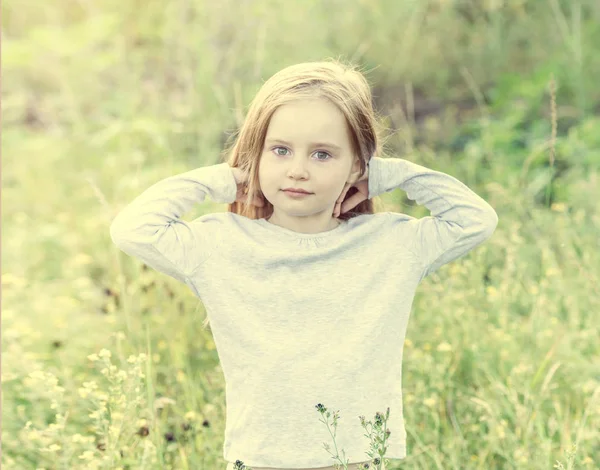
(295,191)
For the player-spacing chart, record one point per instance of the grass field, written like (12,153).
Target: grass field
(107,365)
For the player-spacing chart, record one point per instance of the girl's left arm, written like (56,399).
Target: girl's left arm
(460,219)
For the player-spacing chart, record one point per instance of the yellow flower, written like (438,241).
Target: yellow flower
(91,385)
(430,402)
(37,375)
(87,455)
(105,353)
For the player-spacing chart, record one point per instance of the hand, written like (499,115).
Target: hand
(241,179)
(362,185)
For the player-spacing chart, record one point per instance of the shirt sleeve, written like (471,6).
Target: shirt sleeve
(460,219)
(150,228)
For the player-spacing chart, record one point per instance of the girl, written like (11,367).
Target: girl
(308,295)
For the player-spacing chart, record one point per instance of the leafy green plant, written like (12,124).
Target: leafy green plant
(377,433)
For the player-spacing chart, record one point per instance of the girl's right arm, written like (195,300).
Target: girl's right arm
(150,228)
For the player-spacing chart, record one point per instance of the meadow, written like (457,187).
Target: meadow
(107,364)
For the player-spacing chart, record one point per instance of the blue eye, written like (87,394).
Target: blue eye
(320,159)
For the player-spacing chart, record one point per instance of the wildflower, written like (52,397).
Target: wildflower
(55,426)
(113,431)
(93,357)
(87,455)
(378,419)
(119,335)
(37,375)
(430,402)
(95,414)
(83,392)
(105,353)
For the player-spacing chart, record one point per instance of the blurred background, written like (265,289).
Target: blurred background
(107,364)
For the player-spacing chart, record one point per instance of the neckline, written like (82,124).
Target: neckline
(279,229)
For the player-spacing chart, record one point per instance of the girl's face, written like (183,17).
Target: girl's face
(307,146)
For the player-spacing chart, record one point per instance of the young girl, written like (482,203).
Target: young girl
(308,295)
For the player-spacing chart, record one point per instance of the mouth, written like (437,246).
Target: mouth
(295,193)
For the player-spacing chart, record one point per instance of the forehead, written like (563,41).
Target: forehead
(309,121)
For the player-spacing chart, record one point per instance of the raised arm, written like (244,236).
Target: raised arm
(460,219)
(150,228)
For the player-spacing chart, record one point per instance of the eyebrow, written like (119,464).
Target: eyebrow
(314,144)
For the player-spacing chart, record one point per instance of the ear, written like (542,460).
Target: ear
(355,174)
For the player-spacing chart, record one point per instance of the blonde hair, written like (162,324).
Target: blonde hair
(343,85)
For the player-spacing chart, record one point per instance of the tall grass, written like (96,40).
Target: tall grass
(105,364)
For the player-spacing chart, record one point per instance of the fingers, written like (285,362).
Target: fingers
(337,210)
(350,203)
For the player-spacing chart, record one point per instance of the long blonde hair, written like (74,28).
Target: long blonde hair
(339,82)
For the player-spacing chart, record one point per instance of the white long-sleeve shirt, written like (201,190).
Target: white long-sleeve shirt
(300,319)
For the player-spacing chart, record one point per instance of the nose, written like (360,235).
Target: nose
(298,165)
